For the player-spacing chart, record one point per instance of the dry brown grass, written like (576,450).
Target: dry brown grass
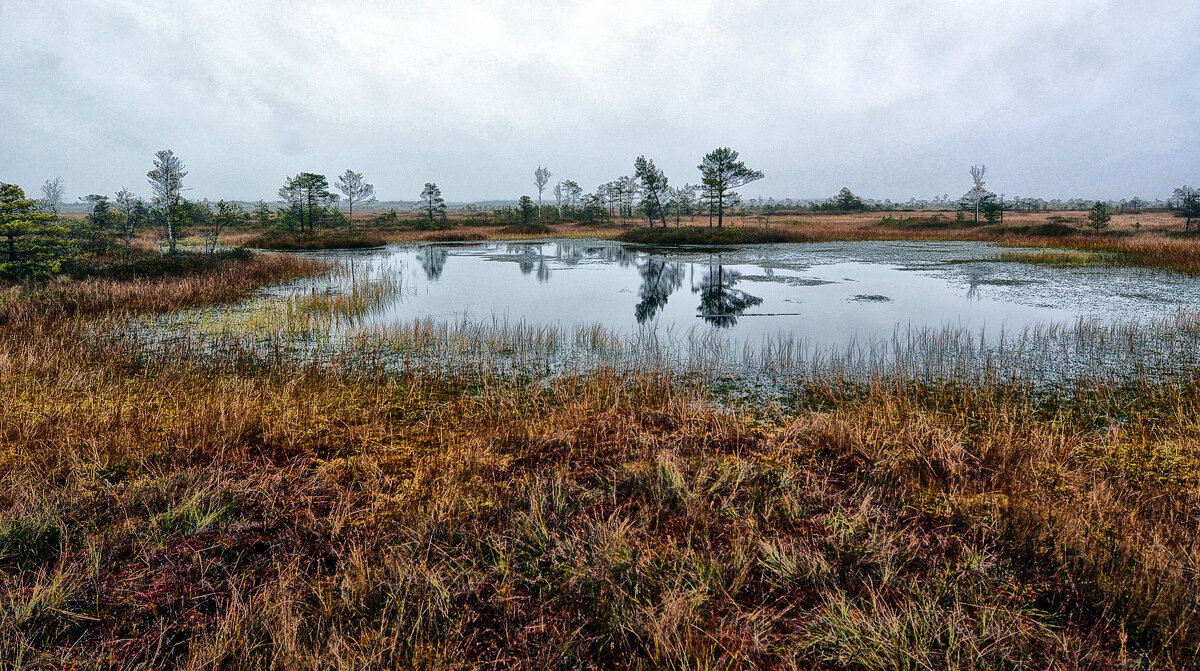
(225,281)
(169,510)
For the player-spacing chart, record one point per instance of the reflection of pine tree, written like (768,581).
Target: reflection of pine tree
(530,258)
(433,261)
(659,280)
(526,256)
(720,303)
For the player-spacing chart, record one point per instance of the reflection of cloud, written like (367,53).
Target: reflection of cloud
(659,280)
(720,303)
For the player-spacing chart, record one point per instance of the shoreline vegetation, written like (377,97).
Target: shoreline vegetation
(194,507)
(1149,239)
(304,241)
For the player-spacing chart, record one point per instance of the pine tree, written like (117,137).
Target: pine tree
(32,243)
(655,189)
(720,173)
(431,202)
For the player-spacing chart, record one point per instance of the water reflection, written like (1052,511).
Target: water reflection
(659,280)
(433,261)
(822,293)
(720,303)
(936,306)
(529,258)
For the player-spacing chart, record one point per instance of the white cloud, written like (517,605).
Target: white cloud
(1078,97)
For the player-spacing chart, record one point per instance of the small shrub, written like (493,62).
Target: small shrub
(389,217)
(993,212)
(480,220)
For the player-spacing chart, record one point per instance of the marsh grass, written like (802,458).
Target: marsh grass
(1151,251)
(697,235)
(1065,259)
(334,239)
(199,507)
(227,280)
(456,236)
(532,228)
(314,327)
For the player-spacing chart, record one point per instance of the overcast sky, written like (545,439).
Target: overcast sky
(1088,98)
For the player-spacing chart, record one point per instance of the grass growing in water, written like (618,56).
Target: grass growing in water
(1065,259)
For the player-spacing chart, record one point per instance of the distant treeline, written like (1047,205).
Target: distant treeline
(35,241)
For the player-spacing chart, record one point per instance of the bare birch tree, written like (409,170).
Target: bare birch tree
(167,181)
(979,190)
(541,177)
(52,195)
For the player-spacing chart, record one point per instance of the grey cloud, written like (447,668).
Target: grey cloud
(1079,97)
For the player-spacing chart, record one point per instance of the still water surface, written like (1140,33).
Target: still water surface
(824,294)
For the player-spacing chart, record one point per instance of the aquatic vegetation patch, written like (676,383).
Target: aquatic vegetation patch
(1007,282)
(1066,259)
